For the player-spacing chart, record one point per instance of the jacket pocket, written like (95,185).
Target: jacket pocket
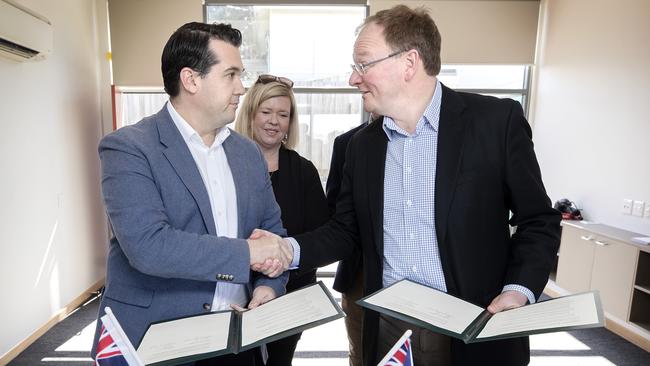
(130,295)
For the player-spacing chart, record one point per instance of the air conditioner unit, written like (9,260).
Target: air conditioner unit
(24,35)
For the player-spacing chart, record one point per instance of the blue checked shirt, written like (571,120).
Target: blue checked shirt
(410,243)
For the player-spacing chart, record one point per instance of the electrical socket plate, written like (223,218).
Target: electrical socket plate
(647,211)
(626,208)
(637,208)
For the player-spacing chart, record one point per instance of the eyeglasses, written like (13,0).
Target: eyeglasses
(363,68)
(267,78)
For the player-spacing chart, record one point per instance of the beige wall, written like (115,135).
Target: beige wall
(591,117)
(480,32)
(52,224)
(139,31)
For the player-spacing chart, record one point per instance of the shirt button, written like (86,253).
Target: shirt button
(408,203)
(412,236)
(206,306)
(408,169)
(414,268)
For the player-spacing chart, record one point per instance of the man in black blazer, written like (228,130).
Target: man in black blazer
(430,190)
(348,280)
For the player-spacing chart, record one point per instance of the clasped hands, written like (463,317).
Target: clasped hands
(269,253)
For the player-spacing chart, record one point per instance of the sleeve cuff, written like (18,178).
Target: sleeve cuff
(296,253)
(529,294)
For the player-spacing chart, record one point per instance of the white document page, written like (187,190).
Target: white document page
(185,337)
(289,311)
(426,304)
(561,312)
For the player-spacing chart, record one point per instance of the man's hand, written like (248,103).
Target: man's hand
(507,300)
(270,254)
(261,295)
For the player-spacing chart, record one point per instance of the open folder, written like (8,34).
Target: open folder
(443,313)
(207,335)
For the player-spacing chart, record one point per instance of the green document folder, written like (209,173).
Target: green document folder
(443,313)
(212,334)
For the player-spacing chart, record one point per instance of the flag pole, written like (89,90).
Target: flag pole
(133,354)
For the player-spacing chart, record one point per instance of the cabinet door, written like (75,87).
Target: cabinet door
(576,258)
(613,275)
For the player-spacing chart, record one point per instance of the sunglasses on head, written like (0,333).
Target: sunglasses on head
(267,78)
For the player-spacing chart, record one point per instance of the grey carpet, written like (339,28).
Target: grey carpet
(46,345)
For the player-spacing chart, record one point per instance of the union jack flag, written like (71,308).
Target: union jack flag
(108,353)
(400,354)
(113,347)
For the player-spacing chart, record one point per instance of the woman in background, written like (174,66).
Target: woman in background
(268,116)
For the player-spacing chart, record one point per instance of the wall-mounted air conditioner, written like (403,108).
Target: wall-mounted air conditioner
(24,35)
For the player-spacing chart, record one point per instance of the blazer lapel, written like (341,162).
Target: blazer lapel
(375,169)
(450,148)
(180,158)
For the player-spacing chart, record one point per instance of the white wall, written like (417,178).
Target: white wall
(52,223)
(591,116)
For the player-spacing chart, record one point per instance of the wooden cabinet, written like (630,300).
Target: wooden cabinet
(575,263)
(640,311)
(613,275)
(592,262)
(603,258)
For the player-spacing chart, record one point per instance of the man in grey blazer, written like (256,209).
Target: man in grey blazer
(183,192)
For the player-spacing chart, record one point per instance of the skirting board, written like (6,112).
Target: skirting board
(55,319)
(630,332)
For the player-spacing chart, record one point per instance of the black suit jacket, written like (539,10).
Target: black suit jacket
(347,269)
(486,168)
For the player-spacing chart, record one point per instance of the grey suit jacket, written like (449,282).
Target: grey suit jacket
(165,257)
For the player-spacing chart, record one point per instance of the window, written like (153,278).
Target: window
(299,42)
(502,81)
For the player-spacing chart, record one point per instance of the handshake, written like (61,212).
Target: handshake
(269,253)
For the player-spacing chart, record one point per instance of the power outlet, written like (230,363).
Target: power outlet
(626,208)
(646,213)
(637,208)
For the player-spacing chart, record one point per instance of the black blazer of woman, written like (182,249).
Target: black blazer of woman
(299,193)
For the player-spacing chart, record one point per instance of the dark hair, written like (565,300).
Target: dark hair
(406,29)
(189,47)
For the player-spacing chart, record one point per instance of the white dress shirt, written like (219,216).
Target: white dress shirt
(217,178)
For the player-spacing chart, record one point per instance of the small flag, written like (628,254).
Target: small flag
(400,354)
(114,347)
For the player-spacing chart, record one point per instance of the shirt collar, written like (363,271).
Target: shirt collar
(431,116)
(190,135)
